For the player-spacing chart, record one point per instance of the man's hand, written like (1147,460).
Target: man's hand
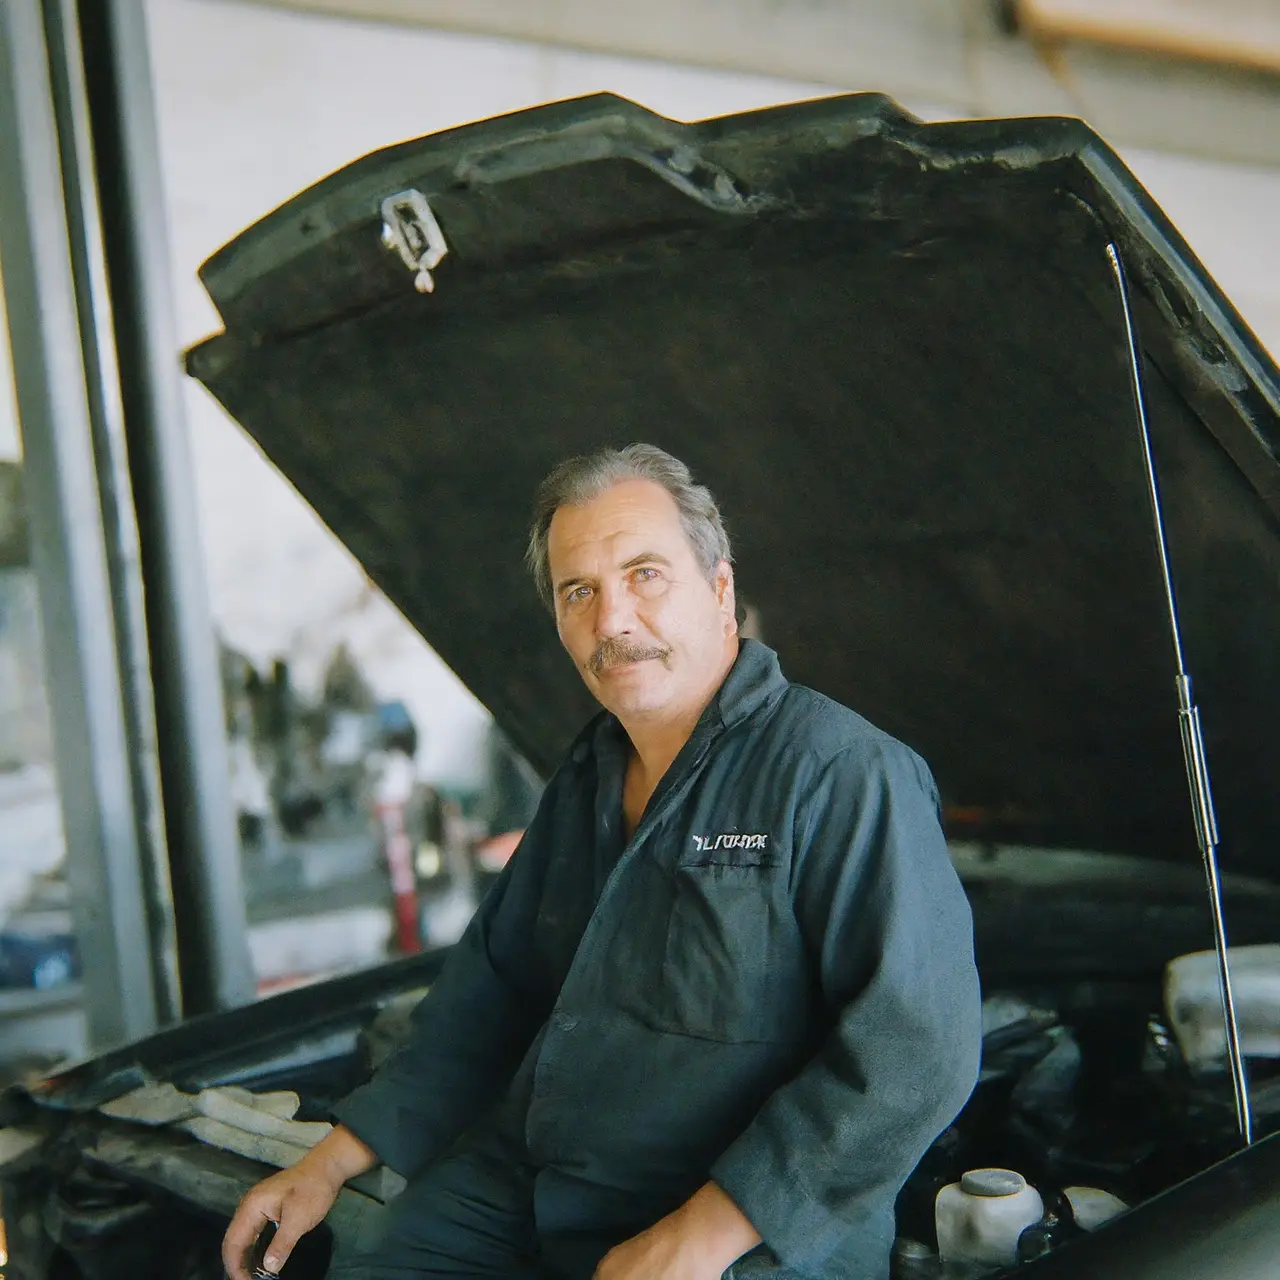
(696,1242)
(295,1199)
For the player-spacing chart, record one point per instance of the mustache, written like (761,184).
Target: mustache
(616,651)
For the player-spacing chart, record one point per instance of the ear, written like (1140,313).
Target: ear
(725,595)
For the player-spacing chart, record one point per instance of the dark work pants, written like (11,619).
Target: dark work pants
(471,1215)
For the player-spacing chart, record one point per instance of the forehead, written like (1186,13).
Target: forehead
(628,513)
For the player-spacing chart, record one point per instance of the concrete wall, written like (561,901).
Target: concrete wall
(256,103)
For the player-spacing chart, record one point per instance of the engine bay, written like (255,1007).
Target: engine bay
(1081,1088)
(1085,1094)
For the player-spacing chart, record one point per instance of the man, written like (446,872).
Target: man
(723,996)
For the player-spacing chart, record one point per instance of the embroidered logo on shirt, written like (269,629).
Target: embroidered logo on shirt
(731,840)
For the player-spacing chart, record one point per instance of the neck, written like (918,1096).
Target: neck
(657,742)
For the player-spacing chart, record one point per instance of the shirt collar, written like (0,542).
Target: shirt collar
(754,681)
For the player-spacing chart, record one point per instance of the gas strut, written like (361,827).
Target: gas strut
(1188,721)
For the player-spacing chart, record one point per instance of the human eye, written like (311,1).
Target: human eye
(576,595)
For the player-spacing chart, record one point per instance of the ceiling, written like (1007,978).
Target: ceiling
(1196,76)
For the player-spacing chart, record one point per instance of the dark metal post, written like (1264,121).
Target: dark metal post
(124,567)
(101,823)
(204,851)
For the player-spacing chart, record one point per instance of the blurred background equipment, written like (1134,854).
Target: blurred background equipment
(39,958)
(347,854)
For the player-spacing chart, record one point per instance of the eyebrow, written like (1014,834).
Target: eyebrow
(645,557)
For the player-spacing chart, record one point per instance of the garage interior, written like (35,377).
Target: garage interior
(220,743)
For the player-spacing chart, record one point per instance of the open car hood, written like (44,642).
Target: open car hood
(894,351)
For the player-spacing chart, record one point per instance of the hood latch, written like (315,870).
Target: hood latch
(410,228)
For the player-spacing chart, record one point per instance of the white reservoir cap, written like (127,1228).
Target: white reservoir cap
(980,1218)
(992,1182)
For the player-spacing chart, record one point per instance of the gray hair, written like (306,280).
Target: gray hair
(576,481)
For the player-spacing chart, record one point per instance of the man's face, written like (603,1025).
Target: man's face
(647,630)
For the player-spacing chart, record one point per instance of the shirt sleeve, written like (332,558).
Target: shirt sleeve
(890,928)
(471,1029)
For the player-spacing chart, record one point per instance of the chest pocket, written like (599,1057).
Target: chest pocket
(730,968)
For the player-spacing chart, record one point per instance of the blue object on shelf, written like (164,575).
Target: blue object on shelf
(40,961)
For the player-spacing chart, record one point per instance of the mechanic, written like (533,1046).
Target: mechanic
(723,996)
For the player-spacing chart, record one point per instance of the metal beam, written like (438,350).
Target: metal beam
(961,57)
(1244,36)
(124,567)
(100,819)
(204,856)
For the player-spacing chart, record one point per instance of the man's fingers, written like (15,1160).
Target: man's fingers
(287,1235)
(286,1206)
(240,1238)
(299,1212)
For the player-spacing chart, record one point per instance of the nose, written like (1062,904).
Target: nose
(615,611)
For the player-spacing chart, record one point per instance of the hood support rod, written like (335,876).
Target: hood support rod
(1189,722)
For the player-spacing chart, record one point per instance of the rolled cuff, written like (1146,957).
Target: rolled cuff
(396,1138)
(793,1222)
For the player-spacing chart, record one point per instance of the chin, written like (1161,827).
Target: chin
(638,710)
(633,702)
(626,704)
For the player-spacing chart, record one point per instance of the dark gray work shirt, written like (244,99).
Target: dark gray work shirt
(770,985)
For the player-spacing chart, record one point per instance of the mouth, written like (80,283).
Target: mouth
(618,668)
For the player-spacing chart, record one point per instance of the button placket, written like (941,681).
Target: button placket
(560,1020)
